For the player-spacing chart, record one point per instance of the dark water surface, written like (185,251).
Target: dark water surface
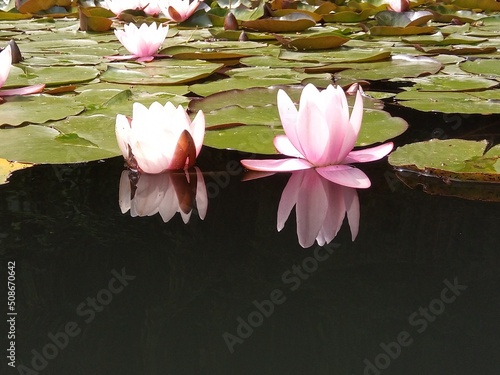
(416,293)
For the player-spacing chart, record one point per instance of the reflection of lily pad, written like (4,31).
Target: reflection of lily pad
(461,189)
(453,159)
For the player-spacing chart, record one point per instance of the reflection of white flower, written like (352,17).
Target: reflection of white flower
(320,207)
(166,193)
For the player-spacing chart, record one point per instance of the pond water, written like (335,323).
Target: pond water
(101,292)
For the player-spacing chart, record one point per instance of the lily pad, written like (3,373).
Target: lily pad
(293,22)
(484,67)
(37,109)
(449,102)
(452,83)
(452,159)
(172,72)
(8,167)
(74,140)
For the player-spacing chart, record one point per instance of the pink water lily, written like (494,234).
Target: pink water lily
(179,10)
(143,42)
(399,5)
(150,7)
(321,135)
(5,64)
(166,193)
(160,138)
(320,206)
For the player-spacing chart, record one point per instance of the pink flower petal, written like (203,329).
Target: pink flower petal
(289,115)
(284,146)
(35,89)
(345,175)
(276,165)
(369,154)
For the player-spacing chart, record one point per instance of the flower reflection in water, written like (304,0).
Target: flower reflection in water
(321,206)
(166,193)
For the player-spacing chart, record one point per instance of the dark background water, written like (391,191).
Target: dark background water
(194,283)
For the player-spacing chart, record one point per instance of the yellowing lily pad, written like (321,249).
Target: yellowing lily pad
(452,159)
(7,167)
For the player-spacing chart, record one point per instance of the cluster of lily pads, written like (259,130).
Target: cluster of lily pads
(229,60)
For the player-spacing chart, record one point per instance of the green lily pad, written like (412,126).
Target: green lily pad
(50,76)
(244,78)
(452,83)
(165,72)
(398,66)
(451,159)
(484,67)
(290,23)
(449,102)
(37,109)
(343,54)
(77,139)
(408,30)
(403,19)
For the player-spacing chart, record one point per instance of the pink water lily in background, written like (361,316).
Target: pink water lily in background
(166,193)
(160,138)
(150,7)
(179,10)
(5,64)
(321,135)
(320,206)
(143,42)
(399,5)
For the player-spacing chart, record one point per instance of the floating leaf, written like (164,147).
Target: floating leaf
(452,83)
(37,109)
(408,30)
(313,42)
(7,167)
(74,140)
(485,67)
(451,159)
(174,72)
(449,102)
(293,22)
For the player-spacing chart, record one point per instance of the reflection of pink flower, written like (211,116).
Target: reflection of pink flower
(142,42)
(150,7)
(320,206)
(399,5)
(160,138)
(166,193)
(321,135)
(5,64)
(179,10)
